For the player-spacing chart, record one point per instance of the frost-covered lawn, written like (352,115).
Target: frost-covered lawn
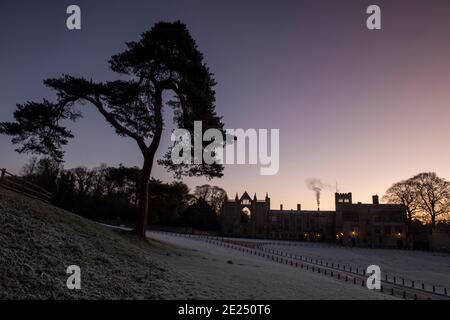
(220,273)
(431,268)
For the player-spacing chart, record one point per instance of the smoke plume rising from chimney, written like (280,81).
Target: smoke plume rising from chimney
(317,186)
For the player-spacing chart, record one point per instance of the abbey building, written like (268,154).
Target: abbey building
(352,224)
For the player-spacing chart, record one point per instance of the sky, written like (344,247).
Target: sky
(355,107)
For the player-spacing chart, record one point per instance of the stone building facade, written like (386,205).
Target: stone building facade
(369,225)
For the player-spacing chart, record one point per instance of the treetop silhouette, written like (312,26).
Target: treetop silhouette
(166,58)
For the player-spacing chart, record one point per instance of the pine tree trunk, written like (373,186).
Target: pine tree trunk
(149,155)
(141,223)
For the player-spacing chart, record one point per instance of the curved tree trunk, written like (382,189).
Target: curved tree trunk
(141,223)
(149,155)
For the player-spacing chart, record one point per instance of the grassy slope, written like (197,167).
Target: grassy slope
(38,242)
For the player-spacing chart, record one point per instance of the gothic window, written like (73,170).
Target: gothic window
(247,212)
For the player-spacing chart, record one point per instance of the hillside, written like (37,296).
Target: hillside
(38,241)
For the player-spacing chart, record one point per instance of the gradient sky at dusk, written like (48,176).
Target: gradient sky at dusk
(363,108)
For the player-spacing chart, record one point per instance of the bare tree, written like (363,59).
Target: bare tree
(84,179)
(212,195)
(99,185)
(433,195)
(29,168)
(405,193)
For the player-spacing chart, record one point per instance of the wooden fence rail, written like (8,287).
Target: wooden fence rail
(21,185)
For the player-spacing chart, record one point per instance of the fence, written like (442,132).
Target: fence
(20,185)
(390,284)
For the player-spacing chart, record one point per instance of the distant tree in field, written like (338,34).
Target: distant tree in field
(64,196)
(30,168)
(433,195)
(123,180)
(170,200)
(200,215)
(84,180)
(98,180)
(165,59)
(43,172)
(426,196)
(405,193)
(212,195)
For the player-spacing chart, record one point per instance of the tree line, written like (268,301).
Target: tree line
(426,197)
(111,194)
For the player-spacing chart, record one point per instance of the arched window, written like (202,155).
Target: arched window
(247,212)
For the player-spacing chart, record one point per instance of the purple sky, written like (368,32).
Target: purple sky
(363,108)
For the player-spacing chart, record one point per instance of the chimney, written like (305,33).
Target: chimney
(299,207)
(281,207)
(375,199)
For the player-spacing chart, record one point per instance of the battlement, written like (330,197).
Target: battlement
(343,198)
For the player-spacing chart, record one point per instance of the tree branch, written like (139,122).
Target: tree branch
(110,118)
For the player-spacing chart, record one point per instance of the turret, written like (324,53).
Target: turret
(343,198)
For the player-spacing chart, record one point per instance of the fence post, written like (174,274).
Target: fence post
(2,175)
